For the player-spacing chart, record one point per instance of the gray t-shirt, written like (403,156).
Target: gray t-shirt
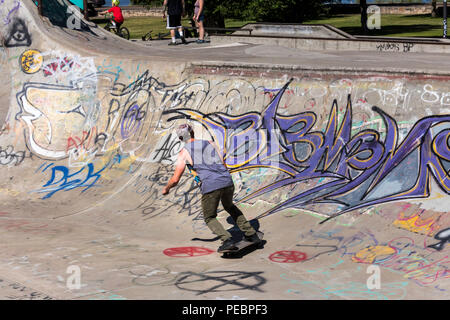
(209,166)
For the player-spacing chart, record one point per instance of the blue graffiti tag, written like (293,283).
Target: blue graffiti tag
(69,181)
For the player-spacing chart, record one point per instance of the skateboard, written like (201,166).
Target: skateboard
(244,244)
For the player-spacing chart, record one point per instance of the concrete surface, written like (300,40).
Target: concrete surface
(294,30)
(319,42)
(87,145)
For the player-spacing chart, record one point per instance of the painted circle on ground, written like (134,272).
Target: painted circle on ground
(287,256)
(31,61)
(185,252)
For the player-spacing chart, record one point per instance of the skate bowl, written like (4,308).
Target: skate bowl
(345,170)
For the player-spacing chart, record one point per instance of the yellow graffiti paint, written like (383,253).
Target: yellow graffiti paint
(117,168)
(31,61)
(370,254)
(415,224)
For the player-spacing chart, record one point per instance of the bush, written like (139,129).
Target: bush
(290,11)
(285,11)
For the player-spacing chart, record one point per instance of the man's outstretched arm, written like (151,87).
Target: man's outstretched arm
(179,169)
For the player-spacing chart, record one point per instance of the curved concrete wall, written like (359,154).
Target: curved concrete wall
(88,136)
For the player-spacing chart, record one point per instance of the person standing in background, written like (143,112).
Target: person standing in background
(199,17)
(175,10)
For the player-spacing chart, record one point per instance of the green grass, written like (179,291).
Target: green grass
(140,26)
(391,25)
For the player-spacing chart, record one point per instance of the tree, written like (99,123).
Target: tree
(433,9)
(363,7)
(148,3)
(288,11)
(214,11)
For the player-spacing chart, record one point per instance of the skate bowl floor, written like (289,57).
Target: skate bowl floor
(341,159)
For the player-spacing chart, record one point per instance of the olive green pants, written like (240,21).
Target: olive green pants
(210,203)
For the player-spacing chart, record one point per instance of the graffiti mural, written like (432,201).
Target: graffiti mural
(354,170)
(49,111)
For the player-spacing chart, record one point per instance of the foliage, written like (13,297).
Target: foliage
(148,3)
(292,11)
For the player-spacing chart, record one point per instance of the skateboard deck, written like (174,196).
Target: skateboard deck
(244,244)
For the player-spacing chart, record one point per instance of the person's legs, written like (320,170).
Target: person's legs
(170,26)
(235,213)
(210,202)
(180,31)
(201,30)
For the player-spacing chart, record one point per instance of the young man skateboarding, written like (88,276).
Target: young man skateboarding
(216,185)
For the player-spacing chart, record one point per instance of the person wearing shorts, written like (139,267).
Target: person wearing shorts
(216,185)
(199,17)
(175,10)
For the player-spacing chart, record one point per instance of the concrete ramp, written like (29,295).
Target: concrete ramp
(87,145)
(295,30)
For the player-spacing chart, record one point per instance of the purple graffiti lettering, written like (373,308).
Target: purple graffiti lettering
(361,169)
(131,121)
(7,20)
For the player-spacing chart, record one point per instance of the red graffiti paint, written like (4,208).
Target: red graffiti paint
(185,252)
(287,256)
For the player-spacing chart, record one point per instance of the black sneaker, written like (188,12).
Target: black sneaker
(253,238)
(227,245)
(183,40)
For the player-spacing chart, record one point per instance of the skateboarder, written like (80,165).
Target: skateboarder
(216,185)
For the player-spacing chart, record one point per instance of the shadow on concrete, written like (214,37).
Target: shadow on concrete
(393,29)
(236,233)
(61,15)
(206,240)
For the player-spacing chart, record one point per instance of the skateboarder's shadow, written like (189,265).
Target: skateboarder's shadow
(237,236)
(235,232)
